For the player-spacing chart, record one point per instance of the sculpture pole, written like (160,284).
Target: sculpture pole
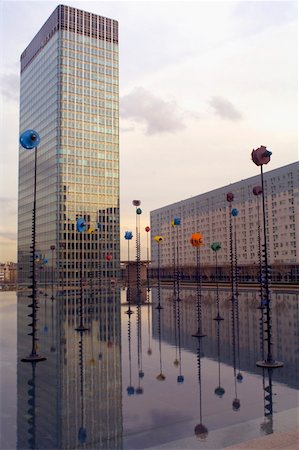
(196,242)
(261,156)
(30,140)
(128,237)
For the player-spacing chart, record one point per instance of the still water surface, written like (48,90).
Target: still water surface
(142,380)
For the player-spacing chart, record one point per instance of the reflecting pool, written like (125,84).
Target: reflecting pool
(119,380)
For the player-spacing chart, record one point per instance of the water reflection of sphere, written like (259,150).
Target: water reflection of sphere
(180,379)
(130,390)
(141,374)
(240,377)
(149,351)
(139,390)
(176,363)
(161,377)
(236,404)
(201,431)
(82,435)
(219,391)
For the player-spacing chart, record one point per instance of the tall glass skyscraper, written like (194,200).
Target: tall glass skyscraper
(70,96)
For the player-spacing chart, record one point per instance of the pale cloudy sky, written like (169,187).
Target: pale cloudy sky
(202,83)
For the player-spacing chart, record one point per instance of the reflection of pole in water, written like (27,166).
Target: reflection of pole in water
(267,425)
(159,239)
(160,376)
(174,311)
(139,389)
(180,378)
(200,431)
(219,391)
(46,317)
(53,348)
(52,248)
(130,388)
(149,349)
(236,402)
(32,408)
(82,433)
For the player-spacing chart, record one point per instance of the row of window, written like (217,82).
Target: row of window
(72,58)
(87,49)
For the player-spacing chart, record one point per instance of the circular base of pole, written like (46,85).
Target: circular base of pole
(34,358)
(81,328)
(129,312)
(198,335)
(159,307)
(218,318)
(269,364)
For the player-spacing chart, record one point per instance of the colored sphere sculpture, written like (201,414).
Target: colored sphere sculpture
(230,197)
(176,221)
(216,246)
(136,202)
(196,240)
(257,190)
(261,155)
(138,211)
(158,239)
(29,139)
(81,225)
(235,212)
(128,235)
(147,229)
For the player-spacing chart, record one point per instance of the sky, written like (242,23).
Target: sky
(202,83)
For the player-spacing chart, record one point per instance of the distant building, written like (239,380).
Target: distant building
(70,96)
(209,214)
(8,273)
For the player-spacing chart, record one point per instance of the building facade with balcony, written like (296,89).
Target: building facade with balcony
(209,214)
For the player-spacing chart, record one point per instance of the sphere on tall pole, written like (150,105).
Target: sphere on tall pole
(30,140)
(261,156)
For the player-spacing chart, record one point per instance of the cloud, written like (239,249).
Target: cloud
(225,109)
(158,115)
(9,84)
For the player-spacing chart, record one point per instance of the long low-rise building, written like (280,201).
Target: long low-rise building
(209,214)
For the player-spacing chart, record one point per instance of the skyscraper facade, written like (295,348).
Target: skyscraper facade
(70,96)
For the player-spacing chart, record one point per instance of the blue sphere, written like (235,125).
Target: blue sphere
(29,139)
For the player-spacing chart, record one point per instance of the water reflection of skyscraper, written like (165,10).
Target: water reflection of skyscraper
(71,378)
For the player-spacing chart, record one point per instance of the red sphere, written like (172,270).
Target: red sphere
(147,229)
